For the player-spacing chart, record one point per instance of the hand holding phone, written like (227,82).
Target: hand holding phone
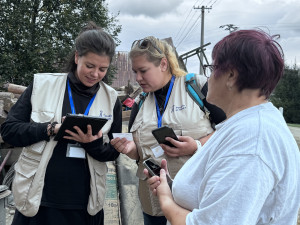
(154,170)
(161,133)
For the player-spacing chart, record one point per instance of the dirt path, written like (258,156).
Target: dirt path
(296,132)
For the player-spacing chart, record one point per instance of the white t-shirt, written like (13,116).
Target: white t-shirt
(247,173)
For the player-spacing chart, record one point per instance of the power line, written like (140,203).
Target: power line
(182,33)
(182,24)
(192,27)
(214,3)
(209,2)
(186,27)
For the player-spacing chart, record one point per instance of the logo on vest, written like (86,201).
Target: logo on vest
(177,108)
(103,115)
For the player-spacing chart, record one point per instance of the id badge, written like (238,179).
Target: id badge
(157,150)
(75,151)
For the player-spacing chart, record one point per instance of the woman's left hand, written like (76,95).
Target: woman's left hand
(83,137)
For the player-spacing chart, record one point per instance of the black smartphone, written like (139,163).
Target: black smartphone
(161,133)
(152,167)
(154,170)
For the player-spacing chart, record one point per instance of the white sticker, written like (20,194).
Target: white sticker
(157,150)
(75,151)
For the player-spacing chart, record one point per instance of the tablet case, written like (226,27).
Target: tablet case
(81,121)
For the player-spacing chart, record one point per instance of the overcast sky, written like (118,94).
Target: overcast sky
(178,19)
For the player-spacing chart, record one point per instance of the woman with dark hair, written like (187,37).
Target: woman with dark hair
(63,182)
(248,172)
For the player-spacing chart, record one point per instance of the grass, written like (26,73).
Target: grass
(293,125)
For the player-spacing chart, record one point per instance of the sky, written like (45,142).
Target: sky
(180,20)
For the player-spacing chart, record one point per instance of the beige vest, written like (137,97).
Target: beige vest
(47,101)
(184,116)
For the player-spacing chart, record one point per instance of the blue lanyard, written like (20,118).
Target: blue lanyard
(72,103)
(159,116)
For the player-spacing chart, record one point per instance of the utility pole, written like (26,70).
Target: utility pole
(202,35)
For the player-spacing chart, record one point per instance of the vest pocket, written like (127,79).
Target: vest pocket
(42,117)
(100,170)
(25,170)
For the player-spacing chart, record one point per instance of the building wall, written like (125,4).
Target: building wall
(123,64)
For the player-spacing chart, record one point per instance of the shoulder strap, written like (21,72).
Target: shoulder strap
(191,87)
(194,91)
(143,96)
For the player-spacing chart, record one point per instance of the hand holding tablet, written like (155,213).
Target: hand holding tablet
(81,121)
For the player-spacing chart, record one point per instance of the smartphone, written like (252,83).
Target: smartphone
(154,170)
(152,167)
(161,133)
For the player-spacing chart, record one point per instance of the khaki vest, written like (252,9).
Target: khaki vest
(47,101)
(184,116)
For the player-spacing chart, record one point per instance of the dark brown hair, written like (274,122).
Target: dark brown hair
(91,39)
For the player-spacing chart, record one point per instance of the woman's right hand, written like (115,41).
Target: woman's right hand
(155,181)
(125,146)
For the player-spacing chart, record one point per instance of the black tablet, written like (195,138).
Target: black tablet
(81,121)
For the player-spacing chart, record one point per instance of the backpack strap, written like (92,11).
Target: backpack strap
(142,96)
(194,91)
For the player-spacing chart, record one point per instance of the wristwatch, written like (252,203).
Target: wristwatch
(199,145)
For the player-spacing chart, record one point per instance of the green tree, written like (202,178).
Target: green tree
(38,35)
(287,95)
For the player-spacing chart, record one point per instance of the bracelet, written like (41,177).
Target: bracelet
(52,127)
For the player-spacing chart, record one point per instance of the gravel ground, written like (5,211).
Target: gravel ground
(296,132)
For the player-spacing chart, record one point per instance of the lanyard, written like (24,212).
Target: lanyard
(72,103)
(159,116)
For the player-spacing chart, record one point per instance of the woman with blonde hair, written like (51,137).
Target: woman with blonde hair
(167,103)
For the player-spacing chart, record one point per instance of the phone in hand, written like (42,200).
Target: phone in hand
(152,167)
(161,133)
(154,170)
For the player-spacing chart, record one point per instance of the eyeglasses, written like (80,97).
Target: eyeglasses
(145,44)
(208,68)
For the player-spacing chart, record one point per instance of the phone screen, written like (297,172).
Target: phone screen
(153,167)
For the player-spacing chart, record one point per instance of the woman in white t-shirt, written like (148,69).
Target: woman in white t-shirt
(248,171)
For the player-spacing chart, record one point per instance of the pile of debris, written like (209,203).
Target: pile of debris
(8,154)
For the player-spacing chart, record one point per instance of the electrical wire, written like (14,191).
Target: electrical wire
(187,25)
(192,28)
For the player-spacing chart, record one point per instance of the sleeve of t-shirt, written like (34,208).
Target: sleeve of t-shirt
(233,192)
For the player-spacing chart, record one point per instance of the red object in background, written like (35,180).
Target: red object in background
(128,102)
